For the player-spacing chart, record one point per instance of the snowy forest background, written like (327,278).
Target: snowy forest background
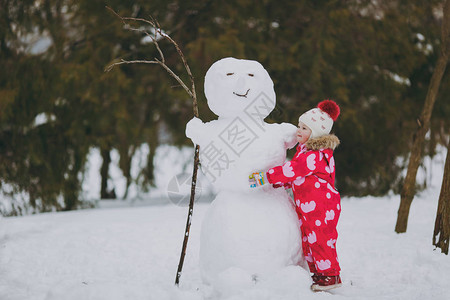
(62,117)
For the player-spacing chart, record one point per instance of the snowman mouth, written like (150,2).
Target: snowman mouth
(242,95)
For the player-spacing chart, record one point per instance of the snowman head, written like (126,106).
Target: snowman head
(233,86)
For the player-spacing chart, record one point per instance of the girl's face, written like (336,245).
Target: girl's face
(303,133)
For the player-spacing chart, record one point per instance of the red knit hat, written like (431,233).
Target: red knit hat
(320,119)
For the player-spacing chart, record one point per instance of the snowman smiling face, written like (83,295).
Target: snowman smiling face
(240,84)
(232,85)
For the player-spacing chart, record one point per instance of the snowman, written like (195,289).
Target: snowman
(246,233)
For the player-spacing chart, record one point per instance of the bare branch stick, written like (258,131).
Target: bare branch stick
(154,39)
(153,23)
(191,92)
(116,14)
(186,66)
(176,78)
(122,62)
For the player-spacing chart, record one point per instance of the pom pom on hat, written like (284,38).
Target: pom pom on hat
(330,107)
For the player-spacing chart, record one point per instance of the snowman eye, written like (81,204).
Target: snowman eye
(251,75)
(229,74)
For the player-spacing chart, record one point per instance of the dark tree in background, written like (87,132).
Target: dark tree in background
(374,58)
(409,186)
(441,235)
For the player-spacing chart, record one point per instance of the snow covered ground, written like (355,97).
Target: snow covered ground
(119,252)
(132,253)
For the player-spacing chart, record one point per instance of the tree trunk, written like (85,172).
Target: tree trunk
(442,223)
(126,156)
(149,170)
(408,190)
(104,173)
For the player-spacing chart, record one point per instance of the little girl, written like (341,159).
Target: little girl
(311,174)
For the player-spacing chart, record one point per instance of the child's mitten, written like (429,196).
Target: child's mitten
(257,179)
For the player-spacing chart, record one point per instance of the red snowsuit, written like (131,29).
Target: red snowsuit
(311,173)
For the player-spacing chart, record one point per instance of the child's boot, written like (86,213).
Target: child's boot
(325,283)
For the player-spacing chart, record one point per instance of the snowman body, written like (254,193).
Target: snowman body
(246,231)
